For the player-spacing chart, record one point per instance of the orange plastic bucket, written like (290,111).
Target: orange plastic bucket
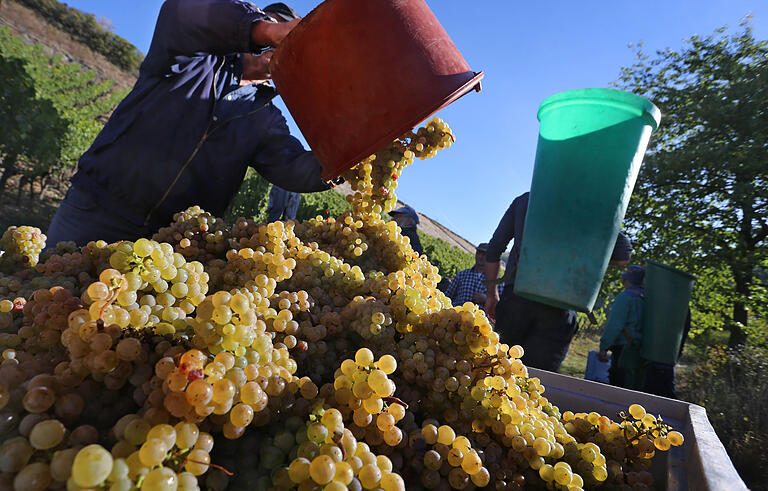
(355,75)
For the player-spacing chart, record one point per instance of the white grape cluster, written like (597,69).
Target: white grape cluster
(20,247)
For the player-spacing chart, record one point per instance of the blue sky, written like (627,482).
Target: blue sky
(528,51)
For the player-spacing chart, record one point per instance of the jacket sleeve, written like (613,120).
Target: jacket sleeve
(617,320)
(283,161)
(212,26)
(502,236)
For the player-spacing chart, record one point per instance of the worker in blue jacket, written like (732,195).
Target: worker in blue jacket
(198,116)
(622,333)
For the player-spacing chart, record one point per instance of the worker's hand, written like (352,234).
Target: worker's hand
(267,33)
(490,305)
(603,356)
(256,67)
(479,298)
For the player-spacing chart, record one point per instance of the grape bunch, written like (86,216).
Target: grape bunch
(20,247)
(329,455)
(374,180)
(196,234)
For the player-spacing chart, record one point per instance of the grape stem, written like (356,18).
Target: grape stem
(185,459)
(341,447)
(394,400)
(112,297)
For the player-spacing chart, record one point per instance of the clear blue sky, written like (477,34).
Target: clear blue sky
(528,51)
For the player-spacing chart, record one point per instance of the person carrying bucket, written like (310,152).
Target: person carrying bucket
(198,116)
(545,332)
(622,333)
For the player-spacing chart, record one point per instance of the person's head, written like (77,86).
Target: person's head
(633,276)
(280,12)
(480,256)
(405,216)
(622,251)
(256,67)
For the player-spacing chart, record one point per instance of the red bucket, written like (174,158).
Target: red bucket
(356,74)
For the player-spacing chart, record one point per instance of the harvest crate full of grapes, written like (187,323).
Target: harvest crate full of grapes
(285,355)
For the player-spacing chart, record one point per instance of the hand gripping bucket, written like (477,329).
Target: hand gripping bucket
(355,75)
(591,145)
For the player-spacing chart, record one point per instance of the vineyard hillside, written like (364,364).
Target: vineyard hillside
(34,29)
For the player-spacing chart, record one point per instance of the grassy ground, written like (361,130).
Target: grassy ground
(575,362)
(35,212)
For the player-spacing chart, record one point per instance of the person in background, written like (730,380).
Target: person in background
(198,116)
(469,285)
(407,218)
(622,331)
(544,332)
(283,204)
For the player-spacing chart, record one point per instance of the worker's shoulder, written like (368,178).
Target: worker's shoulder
(626,297)
(522,200)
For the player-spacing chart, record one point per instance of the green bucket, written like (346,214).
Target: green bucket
(591,145)
(667,296)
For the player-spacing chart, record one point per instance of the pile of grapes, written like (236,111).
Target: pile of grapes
(314,355)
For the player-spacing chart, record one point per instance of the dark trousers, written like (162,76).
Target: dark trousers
(544,332)
(616,373)
(80,219)
(660,379)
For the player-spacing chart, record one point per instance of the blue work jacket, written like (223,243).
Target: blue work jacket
(187,131)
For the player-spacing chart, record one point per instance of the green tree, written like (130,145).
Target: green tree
(56,110)
(29,127)
(701,200)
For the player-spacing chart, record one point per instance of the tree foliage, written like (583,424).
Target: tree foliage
(252,199)
(326,204)
(54,109)
(448,259)
(701,199)
(87,29)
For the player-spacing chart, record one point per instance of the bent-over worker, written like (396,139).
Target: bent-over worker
(196,119)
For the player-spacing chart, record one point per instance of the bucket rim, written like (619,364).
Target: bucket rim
(603,96)
(670,268)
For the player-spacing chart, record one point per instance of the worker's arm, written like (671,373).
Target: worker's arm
(217,27)
(283,161)
(502,236)
(492,295)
